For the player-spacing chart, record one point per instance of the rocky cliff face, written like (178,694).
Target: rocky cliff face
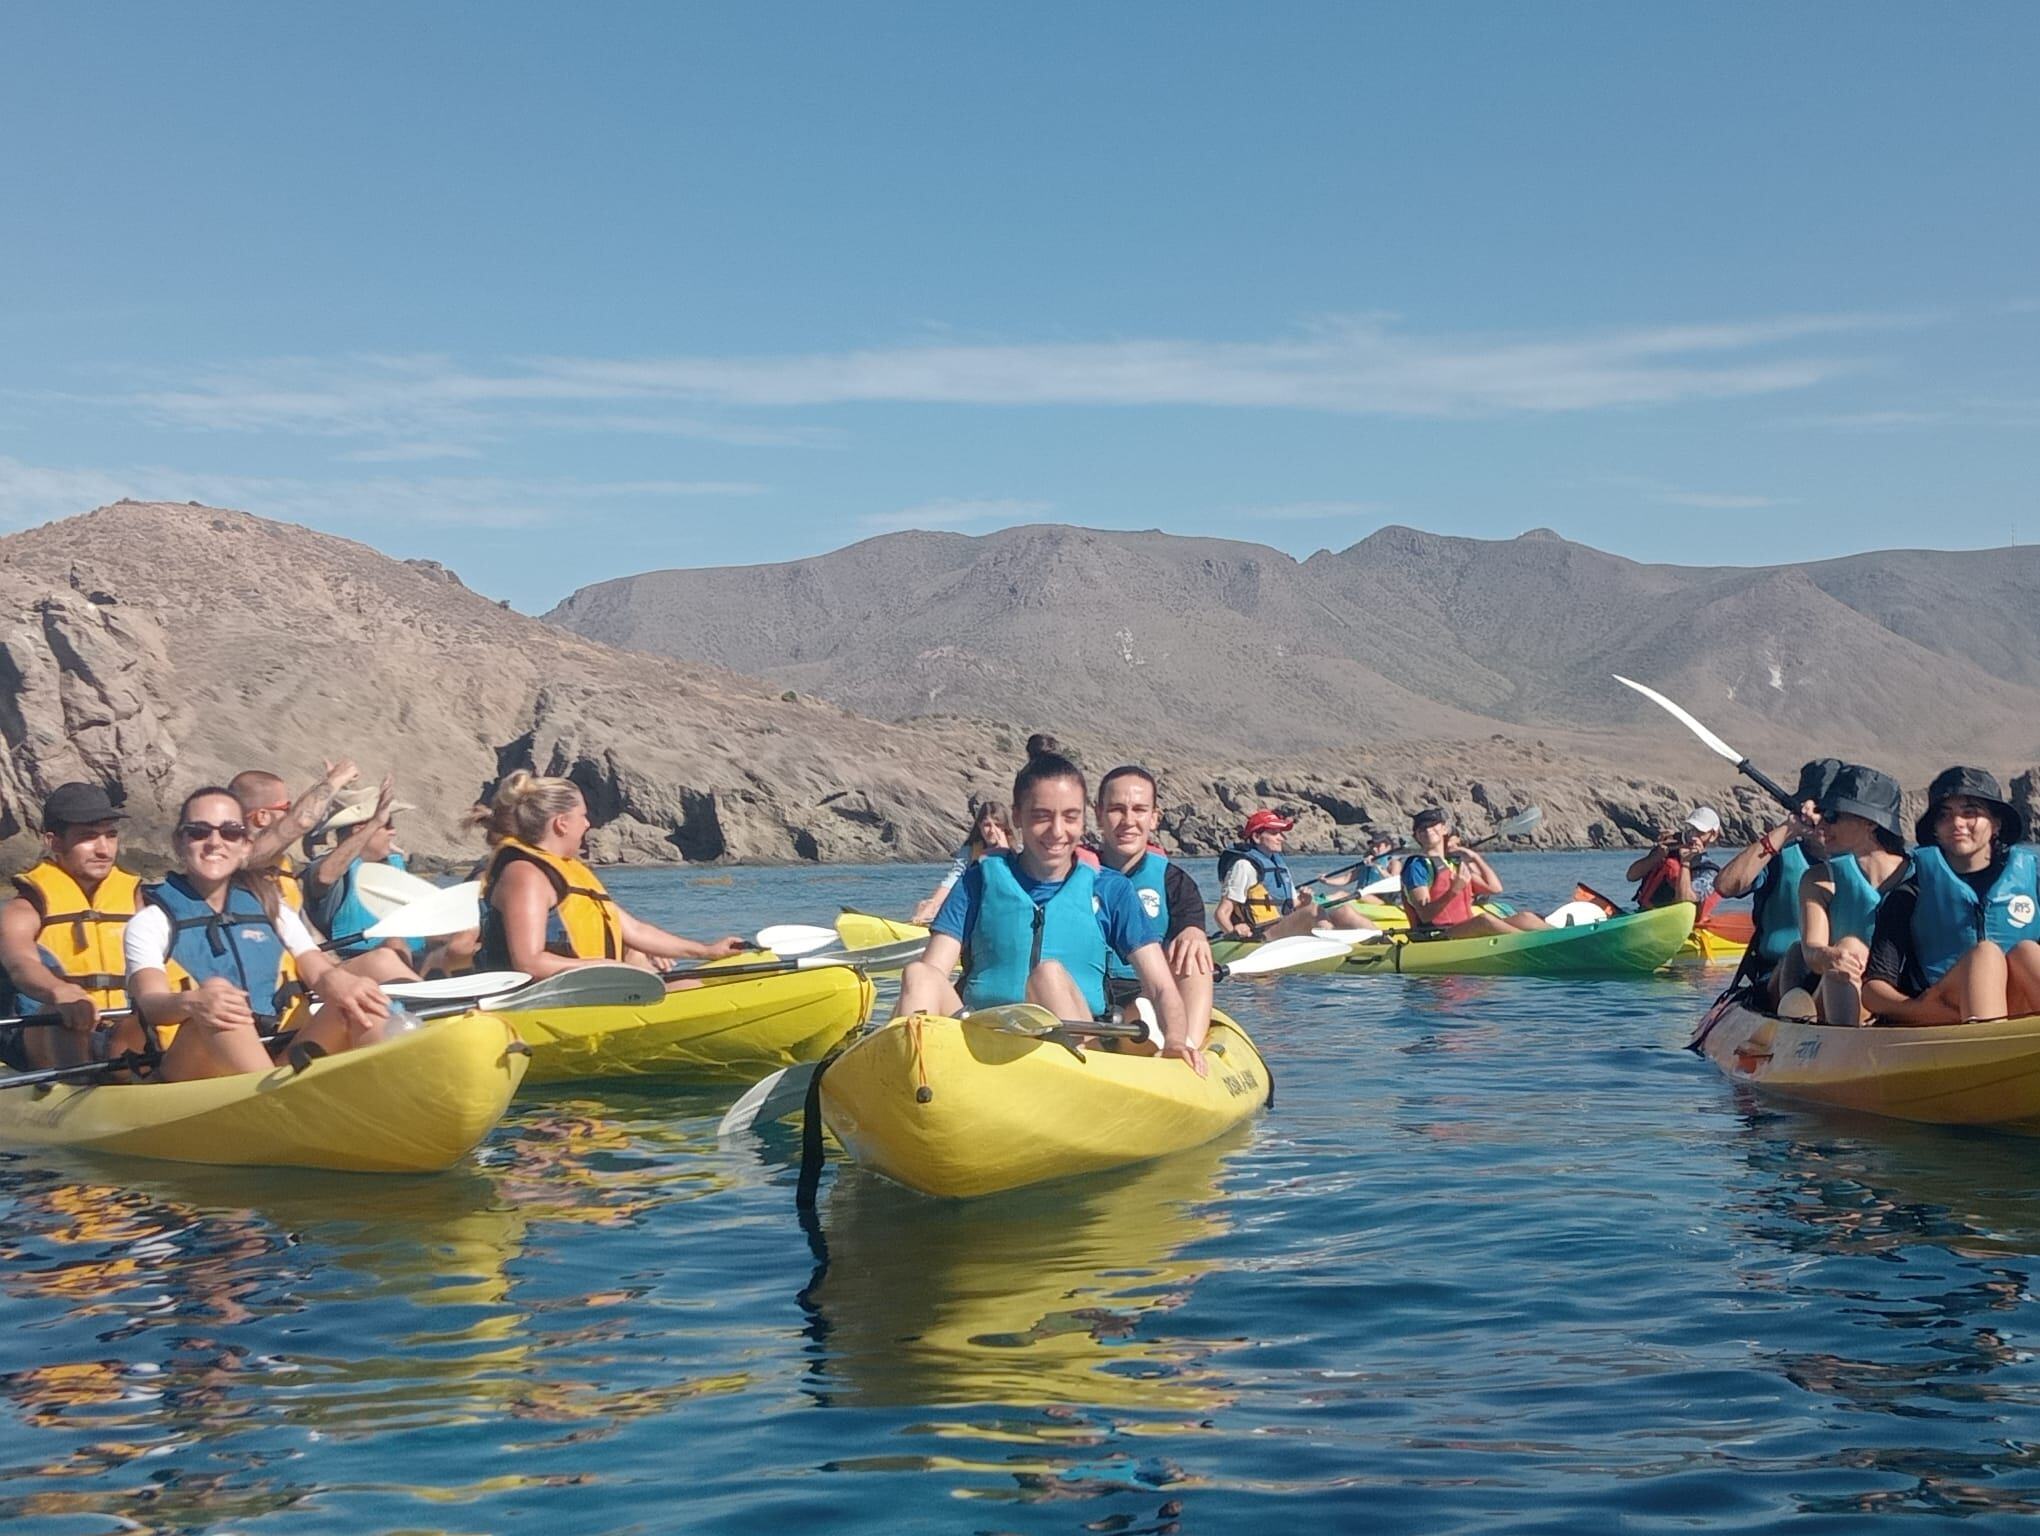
(155,648)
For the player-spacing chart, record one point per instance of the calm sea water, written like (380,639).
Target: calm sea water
(1502,1257)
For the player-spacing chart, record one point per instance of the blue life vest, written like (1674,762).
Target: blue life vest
(1949,920)
(1774,905)
(339,911)
(238,944)
(1012,935)
(1149,879)
(1852,910)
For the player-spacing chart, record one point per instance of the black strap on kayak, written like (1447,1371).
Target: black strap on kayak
(811,1138)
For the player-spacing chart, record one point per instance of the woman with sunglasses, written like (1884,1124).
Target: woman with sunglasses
(1955,940)
(213,959)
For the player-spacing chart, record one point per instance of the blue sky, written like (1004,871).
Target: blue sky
(556,293)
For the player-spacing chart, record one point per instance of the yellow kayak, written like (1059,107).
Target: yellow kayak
(740,1028)
(866,930)
(953,1108)
(1945,1074)
(412,1104)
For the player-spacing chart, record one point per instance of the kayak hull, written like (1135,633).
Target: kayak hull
(1708,946)
(956,1109)
(413,1104)
(1633,944)
(1949,1074)
(741,1028)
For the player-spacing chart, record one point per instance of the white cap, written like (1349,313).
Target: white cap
(1704,819)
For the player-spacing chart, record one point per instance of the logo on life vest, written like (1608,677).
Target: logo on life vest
(1151,902)
(2020,910)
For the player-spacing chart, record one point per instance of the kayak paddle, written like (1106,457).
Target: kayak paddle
(452,988)
(383,888)
(881,958)
(590,986)
(796,938)
(1522,822)
(1713,743)
(455,909)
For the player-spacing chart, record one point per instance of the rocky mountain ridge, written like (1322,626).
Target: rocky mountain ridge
(1905,658)
(155,647)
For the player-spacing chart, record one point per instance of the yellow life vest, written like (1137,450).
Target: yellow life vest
(287,883)
(588,918)
(83,935)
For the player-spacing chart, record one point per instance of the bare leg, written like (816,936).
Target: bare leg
(924,989)
(198,1051)
(1985,979)
(1527,922)
(1346,917)
(1840,998)
(1482,925)
(2023,995)
(1055,989)
(381,964)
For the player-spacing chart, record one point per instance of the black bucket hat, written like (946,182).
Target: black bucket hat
(1860,791)
(79,805)
(1972,784)
(1816,779)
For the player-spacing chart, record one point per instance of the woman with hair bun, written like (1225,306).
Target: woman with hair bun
(544,911)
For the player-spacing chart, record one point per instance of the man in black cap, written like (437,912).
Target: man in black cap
(1956,940)
(60,937)
(1863,832)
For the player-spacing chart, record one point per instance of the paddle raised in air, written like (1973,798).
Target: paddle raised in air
(1713,743)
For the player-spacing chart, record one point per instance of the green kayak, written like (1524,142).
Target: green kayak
(1634,943)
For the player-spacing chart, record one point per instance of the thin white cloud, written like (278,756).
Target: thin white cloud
(949,515)
(32,493)
(1683,496)
(1354,366)
(411,453)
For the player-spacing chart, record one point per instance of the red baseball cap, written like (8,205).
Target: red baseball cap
(1265,821)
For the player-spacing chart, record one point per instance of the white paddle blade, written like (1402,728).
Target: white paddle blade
(1523,821)
(1712,742)
(1297,949)
(796,938)
(1017,1019)
(769,1099)
(383,888)
(453,910)
(446,989)
(1576,914)
(1387,885)
(585,986)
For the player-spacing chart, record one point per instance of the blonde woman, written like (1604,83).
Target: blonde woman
(544,911)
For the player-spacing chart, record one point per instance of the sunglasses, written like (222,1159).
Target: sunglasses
(199,831)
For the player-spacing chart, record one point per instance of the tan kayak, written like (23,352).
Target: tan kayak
(1947,1074)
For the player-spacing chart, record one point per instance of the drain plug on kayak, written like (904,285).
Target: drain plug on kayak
(924,1094)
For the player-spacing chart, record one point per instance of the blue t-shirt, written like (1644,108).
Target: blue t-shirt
(1120,918)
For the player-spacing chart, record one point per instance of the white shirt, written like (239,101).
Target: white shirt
(1241,878)
(146,943)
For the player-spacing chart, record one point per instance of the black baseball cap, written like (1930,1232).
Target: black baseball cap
(78,805)
(1864,792)
(1430,816)
(1972,784)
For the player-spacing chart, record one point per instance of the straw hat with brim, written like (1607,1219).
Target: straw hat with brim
(1971,784)
(1864,792)
(354,815)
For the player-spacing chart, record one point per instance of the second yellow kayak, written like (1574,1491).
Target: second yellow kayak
(741,1028)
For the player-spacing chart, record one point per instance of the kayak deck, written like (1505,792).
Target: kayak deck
(1945,1074)
(740,1028)
(413,1104)
(958,1109)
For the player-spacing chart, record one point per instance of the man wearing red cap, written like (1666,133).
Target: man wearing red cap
(1258,898)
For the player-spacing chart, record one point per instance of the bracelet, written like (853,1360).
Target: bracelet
(1764,843)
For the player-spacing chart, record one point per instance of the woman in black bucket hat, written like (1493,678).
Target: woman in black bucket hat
(1956,940)
(1863,833)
